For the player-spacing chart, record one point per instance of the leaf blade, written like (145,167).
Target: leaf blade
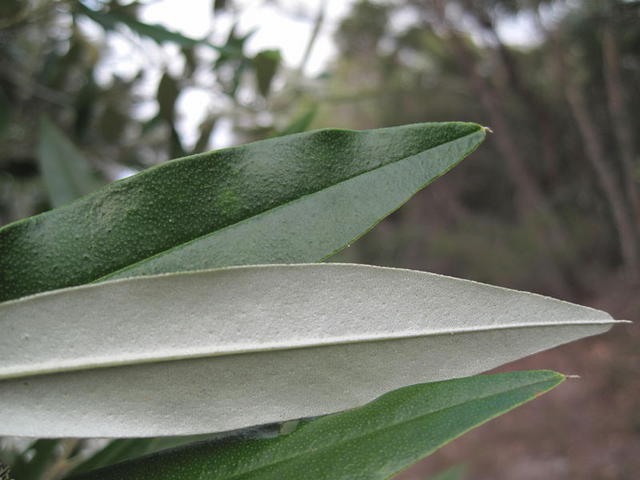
(372,442)
(176,208)
(66,171)
(219,336)
(159,34)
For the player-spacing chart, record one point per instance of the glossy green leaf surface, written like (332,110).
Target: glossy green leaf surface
(298,198)
(65,170)
(373,442)
(219,350)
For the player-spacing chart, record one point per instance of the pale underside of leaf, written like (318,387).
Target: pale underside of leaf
(218,350)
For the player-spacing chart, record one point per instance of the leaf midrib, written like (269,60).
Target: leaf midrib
(69,368)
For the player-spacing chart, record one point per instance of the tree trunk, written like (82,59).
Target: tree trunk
(595,152)
(533,104)
(619,116)
(529,198)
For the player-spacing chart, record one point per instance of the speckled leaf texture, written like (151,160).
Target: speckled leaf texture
(209,351)
(291,199)
(373,442)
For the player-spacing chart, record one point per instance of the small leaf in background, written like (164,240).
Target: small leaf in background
(453,473)
(205,130)
(292,199)
(11,8)
(191,61)
(109,20)
(112,123)
(65,170)
(35,460)
(232,62)
(266,64)
(302,122)
(5,111)
(220,5)
(167,95)
(373,442)
(200,345)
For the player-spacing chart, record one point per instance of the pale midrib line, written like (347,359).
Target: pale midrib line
(275,208)
(316,451)
(140,360)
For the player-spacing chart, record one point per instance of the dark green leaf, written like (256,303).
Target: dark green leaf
(266,65)
(220,5)
(373,442)
(453,473)
(298,198)
(302,122)
(206,129)
(11,8)
(42,453)
(168,92)
(232,62)
(158,33)
(5,111)
(124,449)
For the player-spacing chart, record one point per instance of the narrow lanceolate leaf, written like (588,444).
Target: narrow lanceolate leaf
(453,473)
(65,170)
(219,350)
(158,33)
(373,442)
(123,449)
(290,199)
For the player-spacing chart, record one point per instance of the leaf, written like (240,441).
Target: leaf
(167,95)
(373,442)
(232,61)
(66,171)
(158,33)
(220,5)
(205,130)
(43,453)
(125,449)
(453,473)
(301,122)
(266,65)
(5,111)
(291,199)
(224,349)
